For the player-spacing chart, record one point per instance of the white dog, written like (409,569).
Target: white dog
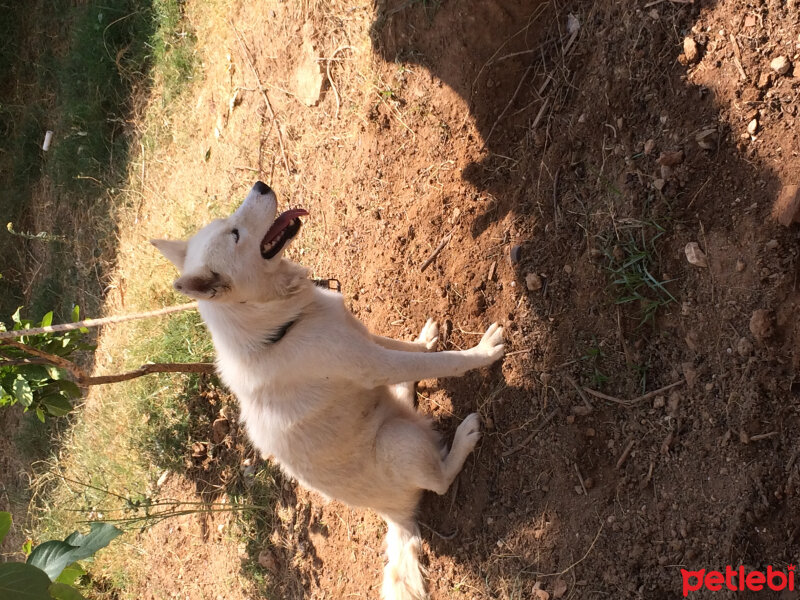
(331,402)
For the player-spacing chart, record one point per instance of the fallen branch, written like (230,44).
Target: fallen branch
(436,252)
(646,396)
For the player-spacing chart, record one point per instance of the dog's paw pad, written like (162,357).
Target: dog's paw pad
(429,336)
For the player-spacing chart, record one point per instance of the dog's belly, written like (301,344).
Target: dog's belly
(329,448)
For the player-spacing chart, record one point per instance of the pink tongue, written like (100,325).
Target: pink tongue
(281,223)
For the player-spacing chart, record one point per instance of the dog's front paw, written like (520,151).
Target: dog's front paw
(491,346)
(429,336)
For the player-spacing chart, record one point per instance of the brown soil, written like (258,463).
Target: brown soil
(480,118)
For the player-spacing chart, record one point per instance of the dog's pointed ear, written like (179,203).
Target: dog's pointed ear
(201,287)
(173,250)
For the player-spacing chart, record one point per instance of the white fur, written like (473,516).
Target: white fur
(332,403)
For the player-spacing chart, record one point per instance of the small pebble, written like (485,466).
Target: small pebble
(690,50)
(695,256)
(567,269)
(772,244)
(533,282)
(515,254)
(649,146)
(744,347)
(752,127)
(659,402)
(740,265)
(780,65)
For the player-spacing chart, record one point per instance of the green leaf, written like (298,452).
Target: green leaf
(40,413)
(57,405)
(54,373)
(21,581)
(5,524)
(15,317)
(62,591)
(54,556)
(76,313)
(69,388)
(71,574)
(47,320)
(26,547)
(22,391)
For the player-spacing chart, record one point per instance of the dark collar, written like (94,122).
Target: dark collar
(278,335)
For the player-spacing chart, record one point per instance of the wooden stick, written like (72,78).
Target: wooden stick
(435,253)
(625,454)
(646,396)
(146,370)
(6,335)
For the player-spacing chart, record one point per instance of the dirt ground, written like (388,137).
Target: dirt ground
(551,143)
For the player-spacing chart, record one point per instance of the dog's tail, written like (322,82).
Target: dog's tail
(402,576)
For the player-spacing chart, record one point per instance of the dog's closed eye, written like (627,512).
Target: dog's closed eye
(235,234)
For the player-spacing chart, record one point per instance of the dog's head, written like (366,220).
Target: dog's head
(240,258)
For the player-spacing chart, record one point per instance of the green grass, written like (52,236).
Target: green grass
(632,260)
(81,72)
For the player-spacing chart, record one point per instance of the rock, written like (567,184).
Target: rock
(740,265)
(492,271)
(308,76)
(761,324)
(559,588)
(568,269)
(744,347)
(752,127)
(786,209)
(690,374)
(649,146)
(764,80)
(477,305)
(780,65)
(659,184)
(772,244)
(666,172)
(690,50)
(695,256)
(673,405)
(659,402)
(670,159)
(533,282)
(515,254)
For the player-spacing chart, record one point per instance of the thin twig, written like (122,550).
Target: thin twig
(763,436)
(577,562)
(246,53)
(5,335)
(510,102)
(580,391)
(646,396)
(580,478)
(436,252)
(625,454)
(532,435)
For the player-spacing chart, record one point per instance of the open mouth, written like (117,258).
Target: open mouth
(285,227)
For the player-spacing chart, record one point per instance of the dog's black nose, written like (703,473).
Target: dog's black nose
(261,187)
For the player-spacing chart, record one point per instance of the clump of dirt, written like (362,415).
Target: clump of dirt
(567,153)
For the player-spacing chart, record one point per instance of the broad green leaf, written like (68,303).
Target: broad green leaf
(40,413)
(54,556)
(5,524)
(54,372)
(76,313)
(47,320)
(20,581)
(34,372)
(62,591)
(71,574)
(22,391)
(15,316)
(57,405)
(69,388)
